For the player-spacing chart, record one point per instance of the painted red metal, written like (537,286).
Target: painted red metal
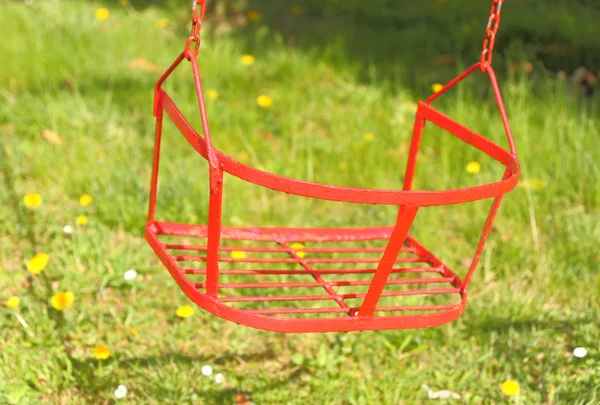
(274,284)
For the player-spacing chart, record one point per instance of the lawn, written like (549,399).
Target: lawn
(76,127)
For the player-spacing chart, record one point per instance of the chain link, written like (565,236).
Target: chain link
(490,34)
(198,13)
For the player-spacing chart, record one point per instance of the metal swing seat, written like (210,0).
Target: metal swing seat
(358,278)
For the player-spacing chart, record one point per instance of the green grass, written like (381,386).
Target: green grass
(533,299)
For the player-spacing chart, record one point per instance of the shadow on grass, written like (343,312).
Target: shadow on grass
(85,374)
(503,325)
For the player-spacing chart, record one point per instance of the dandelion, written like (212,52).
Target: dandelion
(62,300)
(511,388)
(82,220)
(206,370)
(436,87)
(247,60)
(102,14)
(37,263)
(162,23)
(580,352)
(13,302)
(297,246)
(219,378)
(296,10)
(238,254)
(68,229)
(85,200)
(101,352)
(369,137)
(532,184)
(134,331)
(212,94)
(32,200)
(121,392)
(264,101)
(253,15)
(130,275)
(343,166)
(528,66)
(185,311)
(473,167)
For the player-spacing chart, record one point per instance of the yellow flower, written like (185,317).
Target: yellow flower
(101,352)
(62,300)
(528,66)
(369,136)
(102,14)
(13,302)
(162,23)
(82,220)
(436,87)
(510,388)
(297,246)
(85,200)
(264,101)
(253,15)
(32,200)
(532,184)
(133,331)
(212,94)
(247,60)
(473,167)
(343,166)
(238,254)
(185,311)
(37,263)
(296,10)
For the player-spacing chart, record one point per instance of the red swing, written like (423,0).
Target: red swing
(243,296)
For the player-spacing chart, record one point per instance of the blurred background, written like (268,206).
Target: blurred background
(323,91)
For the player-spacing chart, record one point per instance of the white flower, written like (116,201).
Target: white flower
(120,392)
(206,370)
(130,274)
(580,352)
(68,229)
(219,378)
(443,394)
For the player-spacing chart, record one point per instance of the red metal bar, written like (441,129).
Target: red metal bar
(346,194)
(487,227)
(281,250)
(165,75)
(414,151)
(155,163)
(214,233)
(317,276)
(406,217)
(333,235)
(269,298)
(500,104)
(345,283)
(328,271)
(283,311)
(288,260)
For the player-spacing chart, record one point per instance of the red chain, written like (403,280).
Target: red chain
(490,34)
(198,13)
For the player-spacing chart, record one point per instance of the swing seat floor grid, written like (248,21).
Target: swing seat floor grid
(309,273)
